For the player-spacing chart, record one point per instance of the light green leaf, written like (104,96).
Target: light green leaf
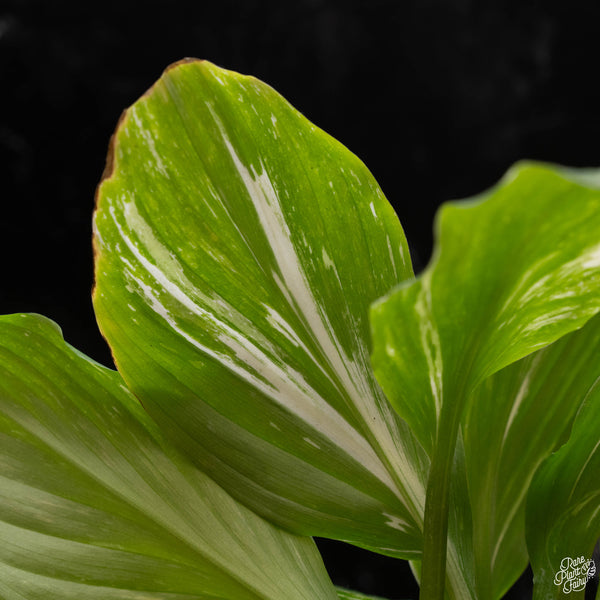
(516,418)
(513,271)
(238,248)
(563,508)
(94,505)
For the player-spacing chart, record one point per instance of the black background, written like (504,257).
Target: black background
(438,98)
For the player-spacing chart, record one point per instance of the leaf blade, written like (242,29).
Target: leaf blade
(94,505)
(270,313)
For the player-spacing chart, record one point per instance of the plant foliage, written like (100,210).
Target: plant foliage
(247,266)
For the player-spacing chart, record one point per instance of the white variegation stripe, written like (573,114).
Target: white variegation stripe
(151,145)
(520,397)
(521,290)
(278,323)
(582,470)
(594,514)
(456,573)
(564,313)
(395,522)
(569,274)
(592,389)
(297,288)
(517,504)
(391,255)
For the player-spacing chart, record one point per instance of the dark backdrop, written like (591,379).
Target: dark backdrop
(437,97)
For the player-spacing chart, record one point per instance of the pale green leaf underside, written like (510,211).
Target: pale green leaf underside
(516,419)
(563,504)
(93,505)
(238,250)
(512,273)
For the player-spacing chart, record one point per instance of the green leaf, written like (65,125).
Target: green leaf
(516,419)
(563,507)
(513,271)
(94,505)
(238,249)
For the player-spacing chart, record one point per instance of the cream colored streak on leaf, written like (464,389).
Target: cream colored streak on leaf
(567,274)
(593,517)
(391,255)
(395,522)
(582,470)
(459,585)
(517,503)
(521,395)
(518,291)
(150,143)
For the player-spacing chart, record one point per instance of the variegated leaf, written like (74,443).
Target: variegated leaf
(94,505)
(238,249)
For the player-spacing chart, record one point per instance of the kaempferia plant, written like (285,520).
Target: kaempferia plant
(282,374)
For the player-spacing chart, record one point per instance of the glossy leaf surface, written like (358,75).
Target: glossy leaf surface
(238,249)
(94,505)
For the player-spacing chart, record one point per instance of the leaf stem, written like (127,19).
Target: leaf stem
(435,529)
